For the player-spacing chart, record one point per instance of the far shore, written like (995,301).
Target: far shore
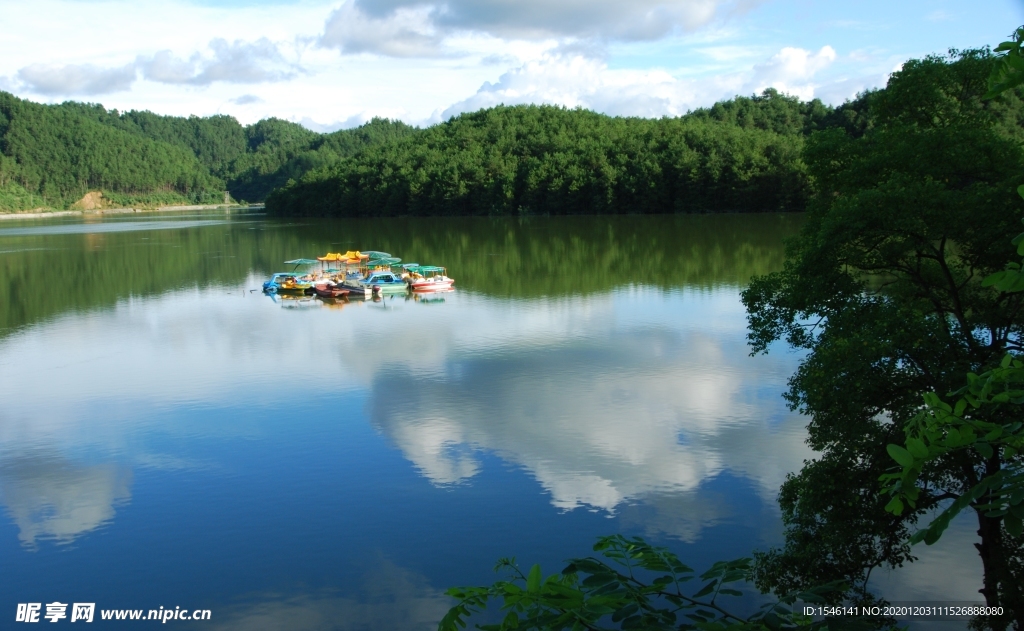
(117,211)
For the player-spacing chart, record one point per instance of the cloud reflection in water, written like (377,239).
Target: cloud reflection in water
(54,498)
(632,411)
(389,597)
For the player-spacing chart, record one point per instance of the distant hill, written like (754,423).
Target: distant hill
(741,154)
(744,154)
(52,155)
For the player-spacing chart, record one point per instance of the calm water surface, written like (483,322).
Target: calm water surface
(170,437)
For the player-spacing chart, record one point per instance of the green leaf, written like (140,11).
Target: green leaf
(1013,525)
(599,580)
(533,579)
(707,589)
(917,448)
(984,449)
(895,506)
(961,405)
(625,612)
(900,455)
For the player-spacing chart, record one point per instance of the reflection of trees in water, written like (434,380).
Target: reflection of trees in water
(49,274)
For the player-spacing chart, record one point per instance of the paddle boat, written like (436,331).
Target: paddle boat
(270,286)
(330,290)
(352,257)
(287,282)
(427,278)
(296,285)
(351,281)
(384,283)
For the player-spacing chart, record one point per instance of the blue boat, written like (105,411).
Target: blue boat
(270,286)
(384,283)
(286,282)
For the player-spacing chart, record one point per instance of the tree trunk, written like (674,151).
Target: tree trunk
(1000,587)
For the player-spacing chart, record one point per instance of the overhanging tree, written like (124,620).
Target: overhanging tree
(884,288)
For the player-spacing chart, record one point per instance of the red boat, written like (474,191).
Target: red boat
(329,291)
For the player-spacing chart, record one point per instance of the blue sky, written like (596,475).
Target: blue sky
(331,64)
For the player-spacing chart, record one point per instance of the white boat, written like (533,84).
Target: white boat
(428,278)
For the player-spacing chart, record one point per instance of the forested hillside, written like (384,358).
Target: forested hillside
(745,154)
(740,155)
(51,155)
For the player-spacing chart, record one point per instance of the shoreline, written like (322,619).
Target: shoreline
(120,211)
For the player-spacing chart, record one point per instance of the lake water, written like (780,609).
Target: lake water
(170,437)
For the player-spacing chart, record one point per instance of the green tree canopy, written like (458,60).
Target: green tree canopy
(884,289)
(510,160)
(50,155)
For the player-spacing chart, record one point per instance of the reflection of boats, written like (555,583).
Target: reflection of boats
(428,278)
(329,290)
(336,303)
(384,283)
(430,298)
(298,302)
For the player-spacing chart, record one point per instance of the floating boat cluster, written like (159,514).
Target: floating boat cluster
(357,275)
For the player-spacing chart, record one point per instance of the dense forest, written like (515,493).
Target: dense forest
(51,155)
(743,154)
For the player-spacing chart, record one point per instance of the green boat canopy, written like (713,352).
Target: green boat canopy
(377,255)
(302,262)
(424,269)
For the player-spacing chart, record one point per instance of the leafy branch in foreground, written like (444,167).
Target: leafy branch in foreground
(941,430)
(992,441)
(635,586)
(1008,72)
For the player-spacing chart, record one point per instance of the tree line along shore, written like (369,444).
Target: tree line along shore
(747,154)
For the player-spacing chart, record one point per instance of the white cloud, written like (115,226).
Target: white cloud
(235,62)
(406,32)
(76,79)
(527,19)
(792,71)
(326,128)
(415,59)
(247,99)
(581,81)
